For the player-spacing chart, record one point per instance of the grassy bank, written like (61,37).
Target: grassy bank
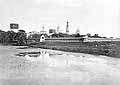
(98,48)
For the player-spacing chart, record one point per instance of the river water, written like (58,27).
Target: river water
(48,67)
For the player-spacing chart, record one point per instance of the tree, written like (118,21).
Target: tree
(96,36)
(21,37)
(88,34)
(77,35)
(6,37)
(10,36)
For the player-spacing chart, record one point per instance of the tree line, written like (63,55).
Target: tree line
(15,38)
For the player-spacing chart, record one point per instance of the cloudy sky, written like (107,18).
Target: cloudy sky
(89,16)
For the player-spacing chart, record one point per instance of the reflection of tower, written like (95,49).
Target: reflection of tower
(67,27)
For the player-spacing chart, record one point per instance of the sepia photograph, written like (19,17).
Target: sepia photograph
(59,42)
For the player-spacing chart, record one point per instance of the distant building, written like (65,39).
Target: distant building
(52,31)
(14,27)
(67,28)
(64,39)
(42,38)
(43,31)
(87,39)
(77,31)
(33,32)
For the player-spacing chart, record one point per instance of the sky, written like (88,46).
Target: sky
(89,16)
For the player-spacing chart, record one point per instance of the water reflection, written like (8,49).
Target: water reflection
(52,59)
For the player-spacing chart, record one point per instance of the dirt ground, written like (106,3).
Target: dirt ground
(56,68)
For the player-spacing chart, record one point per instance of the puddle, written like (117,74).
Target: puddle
(31,54)
(37,56)
(50,58)
(55,59)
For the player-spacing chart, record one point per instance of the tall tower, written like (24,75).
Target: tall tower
(67,27)
(43,28)
(58,28)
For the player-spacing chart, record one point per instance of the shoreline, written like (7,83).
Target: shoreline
(111,49)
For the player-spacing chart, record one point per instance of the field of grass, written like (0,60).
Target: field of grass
(111,49)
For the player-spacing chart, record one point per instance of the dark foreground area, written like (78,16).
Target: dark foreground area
(111,49)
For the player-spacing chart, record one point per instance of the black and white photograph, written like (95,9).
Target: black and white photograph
(59,42)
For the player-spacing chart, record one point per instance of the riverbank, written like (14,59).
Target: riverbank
(111,49)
